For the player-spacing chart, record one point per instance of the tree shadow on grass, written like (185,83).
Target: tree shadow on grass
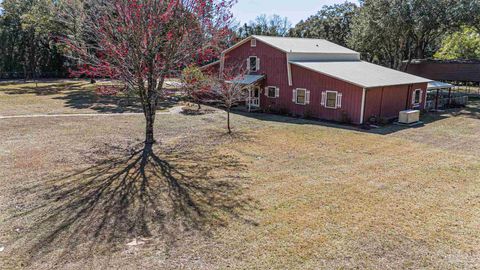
(51,89)
(139,195)
(80,95)
(88,99)
(472,110)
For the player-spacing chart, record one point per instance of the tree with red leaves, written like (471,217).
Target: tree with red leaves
(142,42)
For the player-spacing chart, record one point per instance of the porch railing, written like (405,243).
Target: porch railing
(442,102)
(253,102)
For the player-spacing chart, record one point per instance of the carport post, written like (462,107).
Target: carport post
(449,96)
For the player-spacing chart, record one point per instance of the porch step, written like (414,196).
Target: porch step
(254,109)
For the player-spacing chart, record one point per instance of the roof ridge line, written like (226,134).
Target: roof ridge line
(293,38)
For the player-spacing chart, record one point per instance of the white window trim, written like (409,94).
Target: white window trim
(257,67)
(336,99)
(267,91)
(419,97)
(296,96)
(253,42)
(362,112)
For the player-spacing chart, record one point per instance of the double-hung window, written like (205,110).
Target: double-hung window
(331,99)
(253,63)
(301,93)
(272,92)
(301,96)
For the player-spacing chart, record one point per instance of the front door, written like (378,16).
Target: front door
(253,100)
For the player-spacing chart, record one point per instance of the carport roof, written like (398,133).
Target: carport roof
(438,85)
(362,73)
(248,79)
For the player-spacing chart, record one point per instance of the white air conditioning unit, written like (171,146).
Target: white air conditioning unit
(409,117)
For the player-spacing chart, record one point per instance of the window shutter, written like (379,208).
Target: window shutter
(413,96)
(258,64)
(324,99)
(248,63)
(277,92)
(294,98)
(421,95)
(266,91)
(339,100)
(307,97)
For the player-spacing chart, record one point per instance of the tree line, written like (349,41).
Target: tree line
(387,32)
(28,46)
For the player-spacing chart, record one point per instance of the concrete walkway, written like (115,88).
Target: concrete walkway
(174,110)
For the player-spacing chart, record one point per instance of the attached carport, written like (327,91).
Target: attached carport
(440,96)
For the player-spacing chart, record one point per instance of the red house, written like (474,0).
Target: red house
(319,79)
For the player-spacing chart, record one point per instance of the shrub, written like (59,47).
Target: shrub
(345,118)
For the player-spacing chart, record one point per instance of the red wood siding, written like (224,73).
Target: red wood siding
(273,64)
(387,102)
(213,69)
(384,102)
(317,83)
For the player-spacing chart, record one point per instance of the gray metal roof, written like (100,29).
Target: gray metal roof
(304,45)
(248,79)
(362,73)
(438,85)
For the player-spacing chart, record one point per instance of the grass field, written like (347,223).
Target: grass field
(281,193)
(62,97)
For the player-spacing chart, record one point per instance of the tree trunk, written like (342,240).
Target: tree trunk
(420,51)
(150,107)
(228,121)
(150,121)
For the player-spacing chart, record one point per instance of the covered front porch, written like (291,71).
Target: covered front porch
(252,84)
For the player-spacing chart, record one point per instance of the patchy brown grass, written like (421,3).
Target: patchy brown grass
(59,97)
(282,193)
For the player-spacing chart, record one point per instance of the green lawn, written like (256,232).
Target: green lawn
(281,193)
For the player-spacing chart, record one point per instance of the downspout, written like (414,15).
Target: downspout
(409,89)
(362,110)
(289,72)
(381,103)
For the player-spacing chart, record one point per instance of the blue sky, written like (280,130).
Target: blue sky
(296,10)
